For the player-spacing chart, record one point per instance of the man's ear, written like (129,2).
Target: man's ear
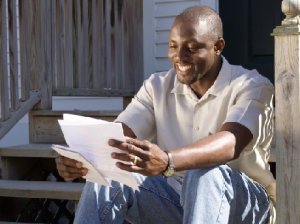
(219,45)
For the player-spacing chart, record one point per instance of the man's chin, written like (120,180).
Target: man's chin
(184,80)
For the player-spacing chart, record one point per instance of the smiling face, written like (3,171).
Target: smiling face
(194,50)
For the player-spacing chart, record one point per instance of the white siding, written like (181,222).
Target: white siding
(158,18)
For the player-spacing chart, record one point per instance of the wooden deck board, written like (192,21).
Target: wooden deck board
(40,189)
(29,150)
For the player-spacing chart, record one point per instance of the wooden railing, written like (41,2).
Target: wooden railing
(16,98)
(96,47)
(67,47)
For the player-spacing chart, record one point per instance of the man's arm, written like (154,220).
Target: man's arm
(218,148)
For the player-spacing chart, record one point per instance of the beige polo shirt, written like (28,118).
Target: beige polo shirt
(169,113)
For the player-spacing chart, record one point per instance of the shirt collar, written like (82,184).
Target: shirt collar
(223,79)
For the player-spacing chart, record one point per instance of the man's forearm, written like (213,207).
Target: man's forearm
(221,147)
(215,149)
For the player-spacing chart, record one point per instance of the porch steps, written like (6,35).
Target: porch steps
(44,127)
(21,175)
(29,150)
(18,162)
(40,189)
(28,176)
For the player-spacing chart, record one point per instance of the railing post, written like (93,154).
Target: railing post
(15,56)
(46,54)
(41,51)
(287,113)
(4,62)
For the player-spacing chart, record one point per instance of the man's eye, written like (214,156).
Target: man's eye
(193,49)
(172,46)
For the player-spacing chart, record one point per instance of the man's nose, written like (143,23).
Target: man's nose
(183,53)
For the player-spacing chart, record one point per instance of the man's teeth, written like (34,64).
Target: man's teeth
(184,68)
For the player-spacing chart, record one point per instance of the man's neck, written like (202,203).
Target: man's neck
(201,86)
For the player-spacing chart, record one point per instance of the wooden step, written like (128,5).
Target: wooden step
(44,127)
(41,189)
(29,150)
(17,162)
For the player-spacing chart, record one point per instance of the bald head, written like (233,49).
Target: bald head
(197,14)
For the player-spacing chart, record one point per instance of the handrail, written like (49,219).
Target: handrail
(16,99)
(15,116)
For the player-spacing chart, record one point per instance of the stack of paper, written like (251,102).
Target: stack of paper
(87,140)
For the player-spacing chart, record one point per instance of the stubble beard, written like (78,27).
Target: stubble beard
(191,80)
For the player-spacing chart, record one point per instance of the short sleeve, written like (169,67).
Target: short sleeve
(253,108)
(139,114)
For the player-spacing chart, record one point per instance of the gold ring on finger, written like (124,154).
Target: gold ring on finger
(135,160)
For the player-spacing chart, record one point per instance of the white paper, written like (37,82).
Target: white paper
(88,138)
(93,173)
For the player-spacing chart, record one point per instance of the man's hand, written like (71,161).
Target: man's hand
(69,169)
(146,158)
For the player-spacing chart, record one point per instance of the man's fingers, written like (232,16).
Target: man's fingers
(70,173)
(126,157)
(68,162)
(130,148)
(145,145)
(79,171)
(130,168)
(69,169)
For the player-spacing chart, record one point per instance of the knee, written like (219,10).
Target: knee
(207,184)
(214,175)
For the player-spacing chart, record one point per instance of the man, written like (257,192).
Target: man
(212,124)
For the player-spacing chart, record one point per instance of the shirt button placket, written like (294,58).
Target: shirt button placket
(196,127)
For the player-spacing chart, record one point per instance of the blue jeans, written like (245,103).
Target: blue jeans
(211,195)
